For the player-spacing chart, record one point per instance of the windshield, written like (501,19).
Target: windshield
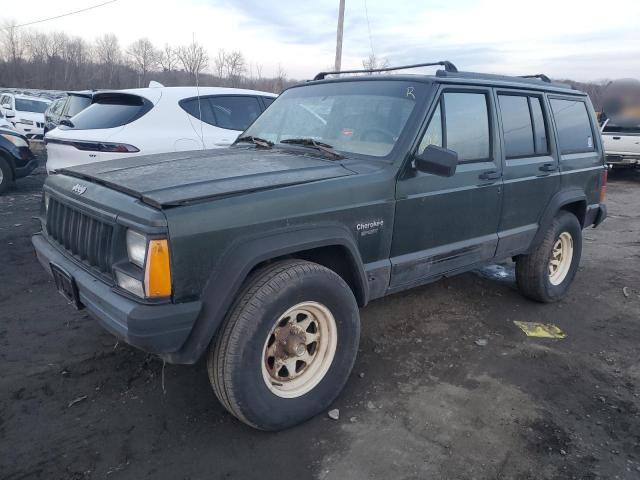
(361,117)
(36,106)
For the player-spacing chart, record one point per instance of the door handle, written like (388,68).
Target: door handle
(548,167)
(490,175)
(616,138)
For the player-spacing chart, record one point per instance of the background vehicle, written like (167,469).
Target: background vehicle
(4,123)
(16,159)
(126,123)
(621,139)
(259,255)
(66,107)
(26,113)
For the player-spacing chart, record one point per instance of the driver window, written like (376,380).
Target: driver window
(433,135)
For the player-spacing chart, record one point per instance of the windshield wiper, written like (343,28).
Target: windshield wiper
(310,142)
(259,142)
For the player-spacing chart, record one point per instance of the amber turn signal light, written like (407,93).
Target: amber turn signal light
(157,274)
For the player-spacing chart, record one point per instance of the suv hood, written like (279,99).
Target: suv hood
(171,179)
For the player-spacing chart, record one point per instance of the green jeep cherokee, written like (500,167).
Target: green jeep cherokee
(344,190)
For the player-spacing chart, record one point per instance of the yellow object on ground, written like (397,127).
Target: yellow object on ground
(543,330)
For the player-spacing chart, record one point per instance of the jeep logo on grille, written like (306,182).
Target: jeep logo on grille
(79,189)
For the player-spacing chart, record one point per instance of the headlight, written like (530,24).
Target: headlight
(17,141)
(136,247)
(153,257)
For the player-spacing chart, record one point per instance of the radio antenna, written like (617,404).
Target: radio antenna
(193,43)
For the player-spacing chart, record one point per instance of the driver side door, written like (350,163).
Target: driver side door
(446,224)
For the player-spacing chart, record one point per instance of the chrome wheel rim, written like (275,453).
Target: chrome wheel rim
(1,177)
(561,257)
(299,349)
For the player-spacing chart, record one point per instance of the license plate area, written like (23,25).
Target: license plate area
(66,285)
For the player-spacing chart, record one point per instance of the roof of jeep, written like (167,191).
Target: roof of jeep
(460,78)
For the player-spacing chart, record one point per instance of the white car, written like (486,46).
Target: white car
(4,123)
(621,139)
(26,113)
(124,123)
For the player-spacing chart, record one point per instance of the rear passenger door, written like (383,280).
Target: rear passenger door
(447,224)
(531,175)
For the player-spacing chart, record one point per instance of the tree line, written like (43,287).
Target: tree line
(57,61)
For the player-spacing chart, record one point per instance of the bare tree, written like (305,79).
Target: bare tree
(280,80)
(372,62)
(194,59)
(220,63)
(144,58)
(168,58)
(108,55)
(235,67)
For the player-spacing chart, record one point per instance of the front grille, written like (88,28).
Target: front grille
(83,236)
(39,124)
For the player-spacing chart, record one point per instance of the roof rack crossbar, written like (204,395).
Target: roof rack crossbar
(541,76)
(448,66)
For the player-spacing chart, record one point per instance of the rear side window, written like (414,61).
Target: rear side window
(267,101)
(77,104)
(233,113)
(110,111)
(621,129)
(574,128)
(467,125)
(523,126)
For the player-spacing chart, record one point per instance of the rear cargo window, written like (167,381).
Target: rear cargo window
(574,127)
(109,111)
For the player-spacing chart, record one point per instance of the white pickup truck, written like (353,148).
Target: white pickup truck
(621,140)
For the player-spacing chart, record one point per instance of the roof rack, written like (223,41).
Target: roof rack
(541,76)
(448,66)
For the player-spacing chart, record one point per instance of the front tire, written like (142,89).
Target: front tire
(546,273)
(6,175)
(287,346)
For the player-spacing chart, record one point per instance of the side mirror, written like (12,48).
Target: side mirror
(437,161)
(10,114)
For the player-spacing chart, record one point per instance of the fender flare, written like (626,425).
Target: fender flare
(559,200)
(241,257)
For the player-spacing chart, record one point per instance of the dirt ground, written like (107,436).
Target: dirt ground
(425,401)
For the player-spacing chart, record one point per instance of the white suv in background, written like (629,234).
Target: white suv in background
(124,123)
(621,139)
(26,113)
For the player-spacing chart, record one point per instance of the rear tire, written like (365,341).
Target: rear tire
(287,346)
(546,273)
(6,175)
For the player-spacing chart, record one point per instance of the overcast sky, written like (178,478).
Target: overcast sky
(579,39)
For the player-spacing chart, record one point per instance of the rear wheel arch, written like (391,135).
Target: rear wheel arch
(572,200)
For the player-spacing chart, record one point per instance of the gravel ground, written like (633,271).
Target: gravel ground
(427,399)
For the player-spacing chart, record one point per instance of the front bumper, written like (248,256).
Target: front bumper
(27,169)
(622,159)
(159,329)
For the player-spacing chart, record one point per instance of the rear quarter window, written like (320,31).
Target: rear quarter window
(229,112)
(574,127)
(110,111)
